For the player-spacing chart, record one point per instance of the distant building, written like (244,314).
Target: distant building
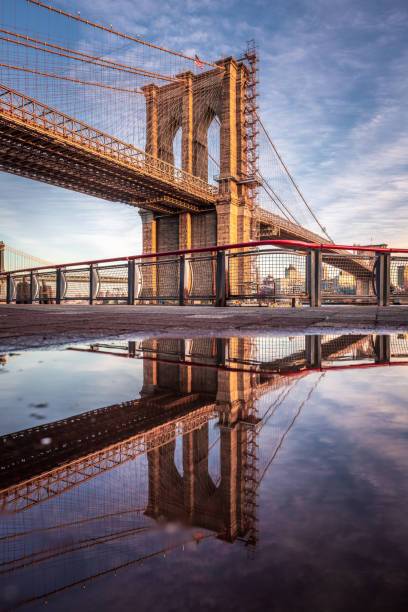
(292,283)
(402,277)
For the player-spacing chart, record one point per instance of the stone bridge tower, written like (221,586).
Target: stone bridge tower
(191,105)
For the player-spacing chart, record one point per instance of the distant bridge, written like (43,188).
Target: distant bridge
(14,259)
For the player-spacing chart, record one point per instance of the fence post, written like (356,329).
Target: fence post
(382,278)
(221,280)
(382,349)
(181,279)
(31,296)
(131,282)
(132,347)
(310,284)
(221,346)
(8,289)
(314,277)
(58,287)
(91,283)
(313,347)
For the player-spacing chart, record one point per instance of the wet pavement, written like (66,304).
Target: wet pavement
(225,473)
(30,326)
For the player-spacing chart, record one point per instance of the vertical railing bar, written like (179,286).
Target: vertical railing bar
(91,283)
(318,257)
(131,282)
(383,278)
(8,289)
(58,287)
(310,277)
(31,295)
(220,287)
(387,278)
(182,262)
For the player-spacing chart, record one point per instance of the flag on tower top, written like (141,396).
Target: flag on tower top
(198,62)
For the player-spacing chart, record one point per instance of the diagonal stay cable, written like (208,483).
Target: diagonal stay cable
(292,180)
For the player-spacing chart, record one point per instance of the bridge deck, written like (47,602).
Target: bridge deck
(39,142)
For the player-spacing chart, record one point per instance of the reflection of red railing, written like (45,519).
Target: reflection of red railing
(250,369)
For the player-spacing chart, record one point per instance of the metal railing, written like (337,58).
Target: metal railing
(256,273)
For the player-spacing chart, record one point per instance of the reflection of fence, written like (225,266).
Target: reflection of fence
(245,273)
(277,354)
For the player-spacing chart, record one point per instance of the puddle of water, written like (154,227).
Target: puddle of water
(233,474)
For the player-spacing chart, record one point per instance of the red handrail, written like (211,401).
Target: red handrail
(297,244)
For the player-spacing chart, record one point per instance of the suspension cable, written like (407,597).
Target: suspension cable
(268,190)
(110,30)
(70,79)
(274,196)
(82,57)
(292,180)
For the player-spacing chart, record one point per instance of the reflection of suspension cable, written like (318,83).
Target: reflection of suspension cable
(83,581)
(32,558)
(289,428)
(292,180)
(100,517)
(275,405)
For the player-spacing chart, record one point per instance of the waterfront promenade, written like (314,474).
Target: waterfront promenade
(30,325)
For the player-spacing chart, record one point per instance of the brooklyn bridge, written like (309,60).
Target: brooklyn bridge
(207,196)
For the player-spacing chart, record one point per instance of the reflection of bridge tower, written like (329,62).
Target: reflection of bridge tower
(226,506)
(191,106)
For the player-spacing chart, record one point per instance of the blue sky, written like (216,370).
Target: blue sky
(333,93)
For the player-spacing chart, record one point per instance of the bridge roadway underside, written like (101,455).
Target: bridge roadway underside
(28,151)
(86,433)
(30,326)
